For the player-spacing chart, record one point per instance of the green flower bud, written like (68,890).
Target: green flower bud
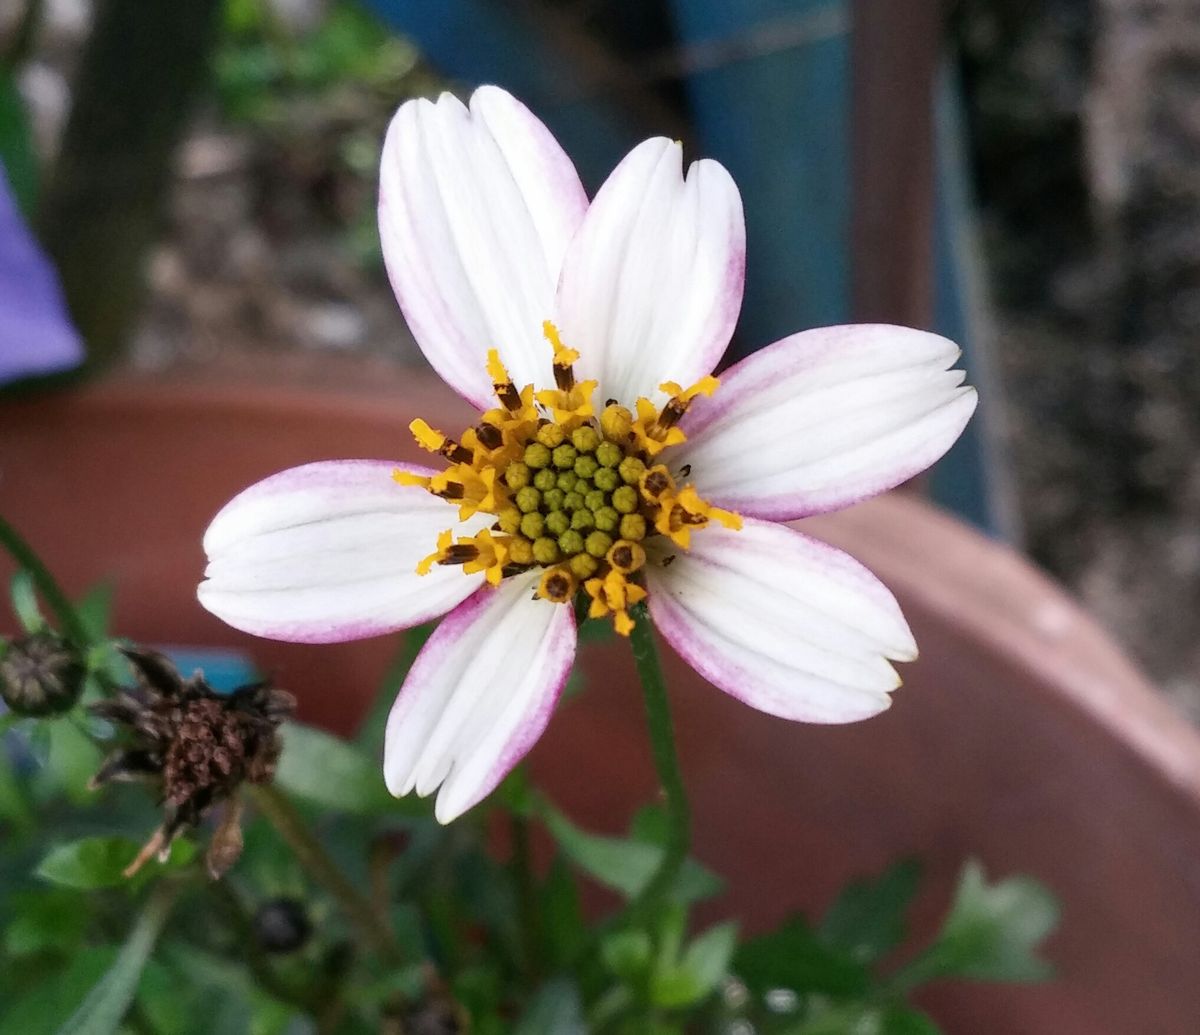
(625,499)
(517,475)
(583,565)
(595,499)
(537,455)
(557,523)
(586,438)
(551,435)
(606,479)
(572,501)
(583,519)
(607,519)
(552,499)
(545,479)
(564,456)
(598,544)
(528,499)
(532,525)
(570,542)
(586,466)
(609,454)
(566,481)
(41,674)
(545,550)
(633,527)
(631,469)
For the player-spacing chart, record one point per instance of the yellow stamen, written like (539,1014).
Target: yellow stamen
(408,478)
(558,585)
(444,541)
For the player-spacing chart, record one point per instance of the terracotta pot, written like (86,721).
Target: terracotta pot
(1021,736)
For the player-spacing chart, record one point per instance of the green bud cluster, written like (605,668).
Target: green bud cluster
(573,496)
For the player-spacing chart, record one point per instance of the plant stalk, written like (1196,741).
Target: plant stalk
(666,764)
(290,825)
(46,584)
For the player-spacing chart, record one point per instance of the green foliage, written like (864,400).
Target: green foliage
(556,1009)
(17,154)
(867,920)
(99,862)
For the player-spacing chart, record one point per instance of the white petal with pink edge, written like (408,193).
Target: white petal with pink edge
(787,624)
(476,207)
(479,695)
(652,283)
(826,418)
(328,552)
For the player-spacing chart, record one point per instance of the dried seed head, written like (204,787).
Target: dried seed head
(200,746)
(41,674)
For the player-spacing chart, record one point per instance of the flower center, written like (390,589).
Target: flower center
(575,493)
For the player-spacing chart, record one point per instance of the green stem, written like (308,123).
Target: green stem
(666,763)
(522,864)
(290,825)
(49,588)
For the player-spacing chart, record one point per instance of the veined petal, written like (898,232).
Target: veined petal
(826,418)
(652,283)
(476,208)
(783,622)
(328,552)
(479,695)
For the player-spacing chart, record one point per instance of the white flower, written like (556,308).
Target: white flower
(517,289)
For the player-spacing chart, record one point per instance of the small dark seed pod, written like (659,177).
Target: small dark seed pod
(41,674)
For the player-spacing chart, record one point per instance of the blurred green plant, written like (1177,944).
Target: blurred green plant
(351,912)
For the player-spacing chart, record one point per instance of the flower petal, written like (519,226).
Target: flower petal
(479,695)
(826,418)
(328,552)
(652,284)
(786,624)
(476,208)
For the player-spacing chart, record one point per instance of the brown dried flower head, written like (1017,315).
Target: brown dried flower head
(199,745)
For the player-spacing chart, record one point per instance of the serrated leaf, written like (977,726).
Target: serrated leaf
(867,920)
(99,862)
(794,957)
(705,962)
(992,932)
(556,1009)
(624,865)
(331,773)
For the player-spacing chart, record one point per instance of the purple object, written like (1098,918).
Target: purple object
(36,334)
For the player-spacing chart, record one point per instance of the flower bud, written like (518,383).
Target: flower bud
(281,925)
(41,674)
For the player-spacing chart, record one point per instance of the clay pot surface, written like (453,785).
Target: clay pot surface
(1021,736)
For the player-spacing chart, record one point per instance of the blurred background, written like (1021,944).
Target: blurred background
(1021,176)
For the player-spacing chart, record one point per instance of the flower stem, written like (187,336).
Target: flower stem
(666,763)
(522,864)
(290,825)
(47,585)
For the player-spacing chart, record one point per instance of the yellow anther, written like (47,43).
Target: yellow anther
(491,558)
(557,585)
(427,437)
(402,477)
(617,423)
(444,541)
(705,386)
(563,356)
(650,431)
(691,502)
(496,370)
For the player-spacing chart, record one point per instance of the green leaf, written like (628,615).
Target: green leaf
(25,605)
(101,1011)
(795,957)
(99,862)
(991,934)
(556,1009)
(17,154)
(331,773)
(46,1005)
(46,921)
(899,1020)
(95,610)
(867,920)
(705,962)
(70,762)
(623,865)
(627,954)
(563,926)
